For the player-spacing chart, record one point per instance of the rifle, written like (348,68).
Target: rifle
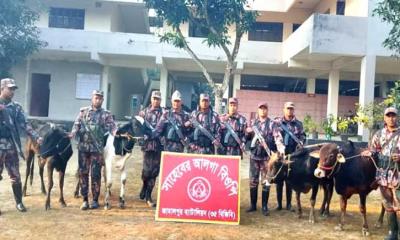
(285,128)
(258,136)
(198,126)
(87,129)
(13,131)
(178,131)
(234,135)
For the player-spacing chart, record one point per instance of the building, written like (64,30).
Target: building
(325,55)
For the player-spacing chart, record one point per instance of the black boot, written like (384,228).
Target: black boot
(264,200)
(289,197)
(253,200)
(393,226)
(142,194)
(149,201)
(17,190)
(279,190)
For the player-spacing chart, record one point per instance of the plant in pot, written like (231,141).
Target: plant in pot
(310,127)
(343,127)
(327,126)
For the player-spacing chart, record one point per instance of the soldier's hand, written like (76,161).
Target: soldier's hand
(187,124)
(216,142)
(40,140)
(366,153)
(249,130)
(2,106)
(70,136)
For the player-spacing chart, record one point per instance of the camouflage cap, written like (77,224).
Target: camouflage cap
(204,96)
(289,105)
(176,96)
(233,100)
(8,82)
(263,104)
(156,94)
(390,110)
(98,92)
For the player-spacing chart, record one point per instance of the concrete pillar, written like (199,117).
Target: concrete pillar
(104,85)
(367,84)
(310,86)
(236,83)
(28,87)
(163,85)
(384,88)
(333,94)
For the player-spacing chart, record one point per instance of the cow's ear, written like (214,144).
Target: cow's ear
(340,158)
(314,154)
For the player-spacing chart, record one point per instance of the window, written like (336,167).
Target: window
(195,30)
(273,83)
(85,84)
(156,22)
(295,26)
(67,18)
(266,31)
(340,7)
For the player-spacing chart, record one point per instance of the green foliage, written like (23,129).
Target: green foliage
(343,124)
(309,124)
(19,37)
(389,12)
(215,15)
(327,125)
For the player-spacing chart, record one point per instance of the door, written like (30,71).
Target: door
(40,95)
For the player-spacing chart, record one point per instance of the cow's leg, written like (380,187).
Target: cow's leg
(61,182)
(32,170)
(379,223)
(29,160)
(50,182)
(122,191)
(363,210)
(343,206)
(42,163)
(108,180)
(313,198)
(298,201)
(330,186)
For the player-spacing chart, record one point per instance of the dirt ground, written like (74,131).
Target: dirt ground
(137,220)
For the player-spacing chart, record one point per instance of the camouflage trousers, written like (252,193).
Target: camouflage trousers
(90,163)
(151,167)
(257,168)
(201,150)
(231,151)
(174,147)
(9,160)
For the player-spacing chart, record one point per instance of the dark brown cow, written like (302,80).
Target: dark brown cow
(352,174)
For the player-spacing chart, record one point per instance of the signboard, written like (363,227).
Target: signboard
(199,188)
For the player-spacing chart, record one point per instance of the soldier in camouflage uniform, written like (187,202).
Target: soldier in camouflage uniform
(174,126)
(293,137)
(152,148)
(92,123)
(259,157)
(12,120)
(232,145)
(385,144)
(209,120)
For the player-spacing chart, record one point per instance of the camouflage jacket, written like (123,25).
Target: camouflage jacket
(385,146)
(294,126)
(166,130)
(272,137)
(152,116)
(238,123)
(98,123)
(210,121)
(18,121)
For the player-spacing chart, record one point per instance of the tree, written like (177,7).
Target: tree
(217,16)
(19,37)
(389,11)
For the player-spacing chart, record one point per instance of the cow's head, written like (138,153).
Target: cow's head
(277,167)
(329,158)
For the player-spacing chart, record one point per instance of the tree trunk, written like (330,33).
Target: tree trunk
(219,95)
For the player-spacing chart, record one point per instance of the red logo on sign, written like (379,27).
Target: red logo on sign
(198,188)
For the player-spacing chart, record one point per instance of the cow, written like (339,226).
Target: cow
(117,150)
(298,168)
(352,174)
